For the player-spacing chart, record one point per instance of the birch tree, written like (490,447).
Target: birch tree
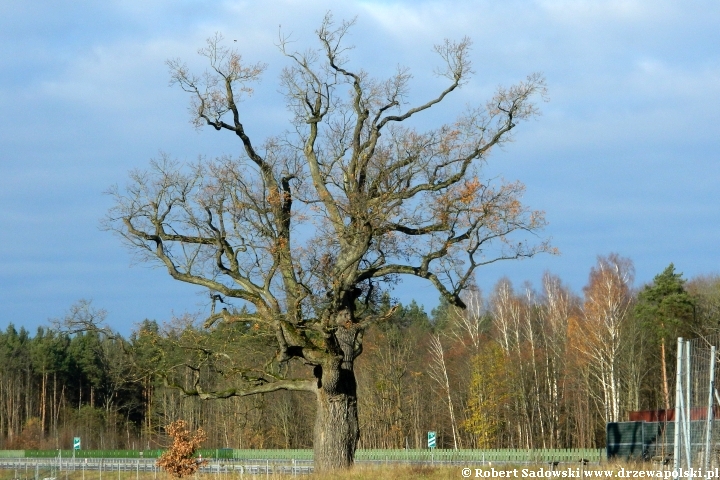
(558,305)
(608,299)
(438,371)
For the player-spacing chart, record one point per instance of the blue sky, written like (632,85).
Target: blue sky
(624,158)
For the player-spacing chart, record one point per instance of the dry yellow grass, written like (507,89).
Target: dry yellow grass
(359,472)
(385,472)
(394,472)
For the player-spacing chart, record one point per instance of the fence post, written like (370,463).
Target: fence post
(709,419)
(688,405)
(678,407)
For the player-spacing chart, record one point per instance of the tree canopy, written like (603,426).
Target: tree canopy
(666,305)
(306,230)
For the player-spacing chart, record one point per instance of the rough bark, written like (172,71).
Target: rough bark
(336,422)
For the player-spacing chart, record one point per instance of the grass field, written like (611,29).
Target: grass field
(359,472)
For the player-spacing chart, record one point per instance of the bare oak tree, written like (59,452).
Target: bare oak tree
(307,229)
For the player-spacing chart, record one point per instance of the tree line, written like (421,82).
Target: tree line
(518,368)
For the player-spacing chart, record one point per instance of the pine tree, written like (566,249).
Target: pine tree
(666,310)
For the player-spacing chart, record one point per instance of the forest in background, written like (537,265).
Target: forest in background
(519,368)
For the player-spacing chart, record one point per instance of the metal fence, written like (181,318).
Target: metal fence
(363,455)
(696,440)
(228,464)
(126,469)
(640,440)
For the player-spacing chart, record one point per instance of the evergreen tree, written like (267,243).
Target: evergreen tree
(666,310)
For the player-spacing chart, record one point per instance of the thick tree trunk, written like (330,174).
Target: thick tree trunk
(336,431)
(336,422)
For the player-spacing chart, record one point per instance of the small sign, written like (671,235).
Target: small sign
(76,443)
(431,439)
